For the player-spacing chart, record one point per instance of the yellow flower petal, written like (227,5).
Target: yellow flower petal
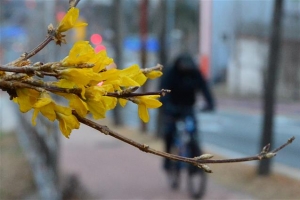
(143,112)
(97,103)
(34,116)
(26,98)
(67,121)
(81,52)
(96,108)
(46,106)
(128,82)
(76,103)
(42,102)
(150,101)
(48,111)
(63,83)
(70,20)
(123,102)
(101,60)
(80,76)
(135,73)
(153,74)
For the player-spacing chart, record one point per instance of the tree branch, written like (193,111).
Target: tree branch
(73,3)
(198,161)
(37,49)
(130,94)
(49,38)
(16,85)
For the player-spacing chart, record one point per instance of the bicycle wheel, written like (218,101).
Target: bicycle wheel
(174,176)
(197,184)
(197,178)
(174,171)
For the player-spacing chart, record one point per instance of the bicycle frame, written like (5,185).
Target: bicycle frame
(186,132)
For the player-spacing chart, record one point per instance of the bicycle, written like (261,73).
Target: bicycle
(186,144)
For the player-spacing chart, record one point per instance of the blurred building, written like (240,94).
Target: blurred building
(239,36)
(240,44)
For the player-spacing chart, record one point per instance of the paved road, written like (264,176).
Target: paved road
(110,169)
(238,131)
(241,132)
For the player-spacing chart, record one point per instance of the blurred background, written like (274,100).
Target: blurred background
(249,51)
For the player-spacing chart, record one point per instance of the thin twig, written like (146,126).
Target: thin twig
(17,76)
(48,39)
(158,67)
(73,3)
(38,48)
(126,95)
(24,69)
(147,149)
(142,147)
(52,88)
(282,146)
(38,86)
(17,84)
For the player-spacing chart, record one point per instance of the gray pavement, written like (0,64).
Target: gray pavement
(110,169)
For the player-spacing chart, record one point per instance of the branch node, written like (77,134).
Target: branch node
(266,148)
(269,155)
(144,148)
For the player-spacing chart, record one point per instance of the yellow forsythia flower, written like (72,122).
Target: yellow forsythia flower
(123,102)
(26,98)
(101,60)
(80,76)
(67,121)
(81,52)
(46,106)
(63,83)
(76,103)
(153,74)
(145,102)
(70,21)
(97,103)
(135,73)
(49,109)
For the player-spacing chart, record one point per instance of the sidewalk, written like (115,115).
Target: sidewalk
(110,169)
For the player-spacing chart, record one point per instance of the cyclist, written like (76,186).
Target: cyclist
(184,80)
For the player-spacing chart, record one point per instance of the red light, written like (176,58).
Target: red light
(99,48)
(96,39)
(60,15)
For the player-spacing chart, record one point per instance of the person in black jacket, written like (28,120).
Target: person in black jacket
(185,80)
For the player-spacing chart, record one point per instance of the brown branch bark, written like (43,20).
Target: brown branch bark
(37,49)
(195,161)
(126,95)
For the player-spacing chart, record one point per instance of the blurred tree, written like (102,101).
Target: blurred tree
(186,20)
(264,167)
(143,36)
(117,23)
